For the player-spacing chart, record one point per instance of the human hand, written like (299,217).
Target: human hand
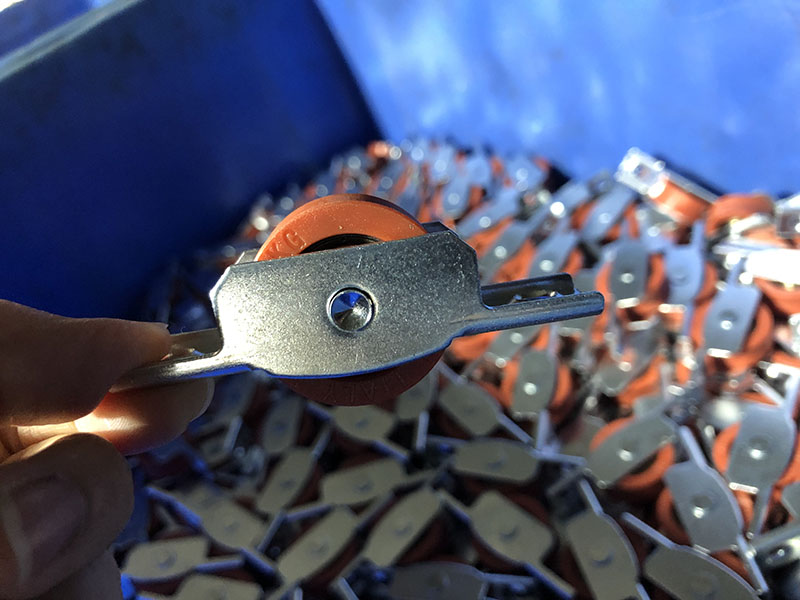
(65,490)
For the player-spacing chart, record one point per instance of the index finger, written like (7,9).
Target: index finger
(56,369)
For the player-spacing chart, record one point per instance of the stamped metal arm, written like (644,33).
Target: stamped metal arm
(355,310)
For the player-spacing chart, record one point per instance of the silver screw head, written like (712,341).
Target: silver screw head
(350,310)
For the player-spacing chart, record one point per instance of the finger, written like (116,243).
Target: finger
(99,580)
(55,369)
(62,502)
(134,420)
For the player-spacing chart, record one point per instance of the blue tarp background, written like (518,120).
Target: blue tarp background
(144,129)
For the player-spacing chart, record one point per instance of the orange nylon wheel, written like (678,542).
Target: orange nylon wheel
(333,222)
(684,207)
(736,206)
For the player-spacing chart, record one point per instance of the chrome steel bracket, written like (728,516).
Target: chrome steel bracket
(401,300)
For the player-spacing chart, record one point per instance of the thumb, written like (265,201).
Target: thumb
(62,502)
(54,369)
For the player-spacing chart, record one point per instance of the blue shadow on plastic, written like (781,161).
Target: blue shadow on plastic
(710,85)
(144,129)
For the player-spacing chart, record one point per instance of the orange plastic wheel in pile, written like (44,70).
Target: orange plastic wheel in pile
(339,221)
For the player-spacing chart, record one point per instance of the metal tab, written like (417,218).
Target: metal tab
(603,553)
(496,459)
(416,400)
(552,254)
(471,407)
(570,196)
(608,209)
(775,264)
(649,176)
(289,477)
(363,423)
(630,271)
(209,587)
(629,448)
(787,216)
(280,427)
(729,319)
(318,546)
(506,204)
(762,448)
(685,267)
(514,535)
(397,530)
(251,305)
(162,560)
(438,581)
(525,173)
(363,483)
(535,384)
(510,242)
(226,522)
(688,574)
(638,349)
(455,196)
(507,343)
(703,502)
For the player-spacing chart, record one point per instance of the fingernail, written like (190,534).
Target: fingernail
(160,327)
(40,519)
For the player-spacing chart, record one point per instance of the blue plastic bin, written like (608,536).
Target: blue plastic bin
(143,129)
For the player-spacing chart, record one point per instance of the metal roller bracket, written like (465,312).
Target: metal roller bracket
(685,267)
(639,348)
(781,546)
(416,400)
(455,196)
(629,448)
(280,427)
(686,573)
(603,553)
(510,242)
(507,343)
(787,217)
(400,527)
(729,319)
(364,483)
(703,501)
(552,254)
(166,559)
(223,520)
(438,581)
(318,546)
(525,173)
(477,412)
(629,273)
(369,425)
(286,481)
(473,409)
(608,209)
(516,536)
(496,459)
(210,587)
(505,205)
(535,384)
(363,423)
(762,448)
(271,312)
